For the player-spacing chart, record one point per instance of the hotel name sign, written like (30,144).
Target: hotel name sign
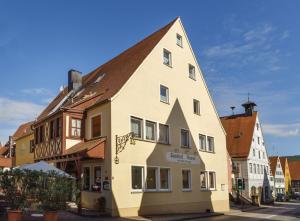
(182,158)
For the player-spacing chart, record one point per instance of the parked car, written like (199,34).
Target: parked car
(280,197)
(296,196)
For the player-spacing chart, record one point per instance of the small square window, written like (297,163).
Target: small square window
(164,94)
(136,127)
(167,58)
(179,40)
(202,142)
(211,144)
(150,130)
(192,72)
(185,136)
(196,106)
(186,180)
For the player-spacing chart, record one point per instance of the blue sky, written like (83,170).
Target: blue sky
(241,46)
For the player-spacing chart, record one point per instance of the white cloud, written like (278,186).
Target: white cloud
(15,112)
(282,130)
(37,91)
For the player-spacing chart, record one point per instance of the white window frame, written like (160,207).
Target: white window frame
(155,130)
(205,177)
(170,57)
(180,44)
(188,138)
(143,178)
(213,143)
(205,145)
(158,132)
(215,180)
(197,102)
(141,125)
(157,179)
(169,179)
(192,75)
(190,180)
(167,94)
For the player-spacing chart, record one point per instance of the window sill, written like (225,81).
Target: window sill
(165,102)
(168,65)
(158,191)
(136,191)
(186,190)
(206,151)
(186,147)
(151,141)
(179,45)
(192,78)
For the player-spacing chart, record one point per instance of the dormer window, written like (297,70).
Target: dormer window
(167,58)
(179,40)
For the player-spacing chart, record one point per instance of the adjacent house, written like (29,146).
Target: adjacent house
(245,145)
(294,166)
(287,176)
(141,131)
(277,171)
(5,160)
(24,141)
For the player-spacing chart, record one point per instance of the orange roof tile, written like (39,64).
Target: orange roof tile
(23,130)
(294,167)
(116,73)
(5,162)
(273,164)
(239,130)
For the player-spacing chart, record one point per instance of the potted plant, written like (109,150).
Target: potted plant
(54,193)
(14,189)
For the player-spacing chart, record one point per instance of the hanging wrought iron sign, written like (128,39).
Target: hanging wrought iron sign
(121,144)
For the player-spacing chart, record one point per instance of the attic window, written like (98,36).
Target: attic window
(99,78)
(179,40)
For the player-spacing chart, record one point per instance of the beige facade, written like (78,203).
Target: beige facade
(23,154)
(140,97)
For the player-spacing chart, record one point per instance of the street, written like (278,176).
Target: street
(280,211)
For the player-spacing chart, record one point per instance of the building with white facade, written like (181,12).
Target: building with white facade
(277,171)
(245,144)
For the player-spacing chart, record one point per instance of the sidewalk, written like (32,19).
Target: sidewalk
(72,217)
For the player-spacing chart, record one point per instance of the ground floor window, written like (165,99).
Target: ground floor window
(165,179)
(92,180)
(97,179)
(186,179)
(208,180)
(151,181)
(137,177)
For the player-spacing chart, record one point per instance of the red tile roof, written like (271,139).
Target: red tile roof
(23,130)
(294,167)
(5,162)
(239,130)
(273,164)
(116,73)
(4,151)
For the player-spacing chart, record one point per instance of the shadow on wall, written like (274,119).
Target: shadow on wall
(266,194)
(173,197)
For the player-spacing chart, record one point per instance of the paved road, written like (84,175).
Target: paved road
(280,211)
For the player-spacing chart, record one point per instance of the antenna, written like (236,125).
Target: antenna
(232,109)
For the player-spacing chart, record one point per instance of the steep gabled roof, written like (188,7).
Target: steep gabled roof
(273,163)
(114,74)
(294,167)
(239,130)
(283,162)
(23,130)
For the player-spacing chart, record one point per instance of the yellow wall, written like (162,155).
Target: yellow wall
(23,154)
(287,178)
(140,98)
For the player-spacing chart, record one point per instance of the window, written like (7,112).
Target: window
(96,126)
(259,154)
(76,128)
(164,179)
(41,133)
(212,180)
(253,152)
(179,40)
(58,127)
(250,167)
(264,156)
(186,179)
(163,134)
(257,126)
(86,178)
(136,127)
(167,58)
(254,167)
(203,180)
(31,147)
(196,105)
(185,138)
(97,179)
(164,94)
(202,141)
(52,129)
(258,172)
(192,72)
(37,135)
(211,145)
(150,130)
(137,178)
(151,179)
(258,141)
(262,169)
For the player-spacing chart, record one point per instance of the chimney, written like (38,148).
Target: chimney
(74,80)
